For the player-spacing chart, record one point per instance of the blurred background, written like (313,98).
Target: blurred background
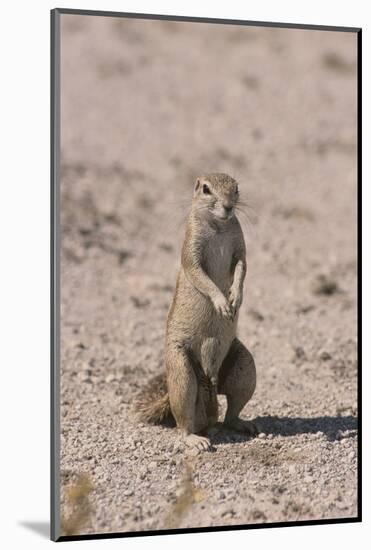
(146,107)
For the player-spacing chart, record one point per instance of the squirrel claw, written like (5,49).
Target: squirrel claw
(198,442)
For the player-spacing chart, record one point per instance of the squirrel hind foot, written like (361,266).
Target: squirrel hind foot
(242,426)
(197,443)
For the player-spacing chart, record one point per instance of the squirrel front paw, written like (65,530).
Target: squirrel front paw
(235,299)
(223,307)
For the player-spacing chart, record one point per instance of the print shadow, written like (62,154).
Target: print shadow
(42,528)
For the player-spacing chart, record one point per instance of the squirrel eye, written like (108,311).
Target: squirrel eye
(206,190)
(236,189)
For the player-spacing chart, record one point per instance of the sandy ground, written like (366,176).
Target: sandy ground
(146,107)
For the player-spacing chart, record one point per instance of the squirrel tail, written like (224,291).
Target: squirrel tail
(153,405)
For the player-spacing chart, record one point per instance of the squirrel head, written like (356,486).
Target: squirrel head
(216,195)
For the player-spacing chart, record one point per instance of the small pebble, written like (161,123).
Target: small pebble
(324,355)
(299,352)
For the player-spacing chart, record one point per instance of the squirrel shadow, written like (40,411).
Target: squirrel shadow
(330,426)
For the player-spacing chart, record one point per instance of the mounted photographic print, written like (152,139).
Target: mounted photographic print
(205,232)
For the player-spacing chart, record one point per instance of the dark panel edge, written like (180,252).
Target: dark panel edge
(359,261)
(212,20)
(54,274)
(336,521)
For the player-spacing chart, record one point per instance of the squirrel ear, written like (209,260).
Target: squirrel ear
(198,182)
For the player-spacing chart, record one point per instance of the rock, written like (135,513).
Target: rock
(324,355)
(84,377)
(255,314)
(299,354)
(324,285)
(230,513)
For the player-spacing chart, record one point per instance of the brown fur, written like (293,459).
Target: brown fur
(202,353)
(152,404)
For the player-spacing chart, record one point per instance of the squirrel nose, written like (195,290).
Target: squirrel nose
(228,208)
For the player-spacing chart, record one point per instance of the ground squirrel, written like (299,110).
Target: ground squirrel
(203,356)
